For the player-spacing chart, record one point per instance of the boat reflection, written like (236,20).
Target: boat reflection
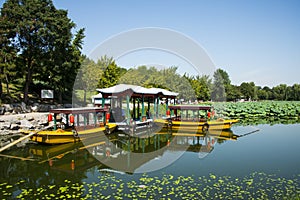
(125,153)
(114,152)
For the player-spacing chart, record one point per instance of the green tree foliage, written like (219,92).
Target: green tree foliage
(218,87)
(201,85)
(166,78)
(41,36)
(233,92)
(248,90)
(7,66)
(295,93)
(280,92)
(111,72)
(88,77)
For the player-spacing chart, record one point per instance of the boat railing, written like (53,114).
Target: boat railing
(195,119)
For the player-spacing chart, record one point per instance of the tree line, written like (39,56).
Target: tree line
(201,88)
(39,49)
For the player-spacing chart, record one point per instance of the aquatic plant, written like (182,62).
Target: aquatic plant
(258,110)
(257,185)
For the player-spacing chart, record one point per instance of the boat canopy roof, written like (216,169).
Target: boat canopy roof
(190,107)
(78,110)
(135,91)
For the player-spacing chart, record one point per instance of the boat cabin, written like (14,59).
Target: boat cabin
(190,112)
(81,118)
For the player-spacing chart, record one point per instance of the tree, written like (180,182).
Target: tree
(280,92)
(224,75)
(7,55)
(41,37)
(88,77)
(248,90)
(201,86)
(296,92)
(111,73)
(233,93)
(7,66)
(218,87)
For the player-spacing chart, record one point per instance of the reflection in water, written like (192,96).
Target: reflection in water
(65,169)
(124,152)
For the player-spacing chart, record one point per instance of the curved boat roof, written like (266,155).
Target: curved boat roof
(135,90)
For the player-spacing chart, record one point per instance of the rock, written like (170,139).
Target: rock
(30,118)
(14,127)
(25,124)
(17,110)
(34,108)
(25,108)
(43,108)
(7,113)
(8,107)
(5,125)
(2,110)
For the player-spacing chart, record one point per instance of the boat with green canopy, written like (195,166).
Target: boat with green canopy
(135,115)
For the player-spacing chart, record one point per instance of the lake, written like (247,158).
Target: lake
(263,163)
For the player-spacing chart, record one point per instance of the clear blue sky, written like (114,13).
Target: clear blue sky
(252,40)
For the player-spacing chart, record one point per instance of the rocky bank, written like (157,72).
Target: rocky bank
(14,117)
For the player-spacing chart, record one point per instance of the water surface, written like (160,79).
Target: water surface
(264,164)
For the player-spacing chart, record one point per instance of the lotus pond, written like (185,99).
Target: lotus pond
(261,165)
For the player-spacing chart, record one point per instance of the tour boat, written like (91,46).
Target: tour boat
(69,125)
(193,118)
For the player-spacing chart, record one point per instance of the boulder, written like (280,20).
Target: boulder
(17,109)
(30,118)
(25,108)
(2,110)
(25,124)
(34,108)
(5,125)
(8,107)
(14,127)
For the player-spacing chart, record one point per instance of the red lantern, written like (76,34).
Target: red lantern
(107,116)
(168,113)
(208,114)
(71,119)
(49,117)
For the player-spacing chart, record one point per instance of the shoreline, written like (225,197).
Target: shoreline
(13,123)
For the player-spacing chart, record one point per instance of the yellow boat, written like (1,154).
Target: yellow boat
(194,119)
(71,125)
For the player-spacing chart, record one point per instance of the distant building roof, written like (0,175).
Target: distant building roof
(135,91)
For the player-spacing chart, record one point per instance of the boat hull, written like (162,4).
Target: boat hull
(68,136)
(195,126)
